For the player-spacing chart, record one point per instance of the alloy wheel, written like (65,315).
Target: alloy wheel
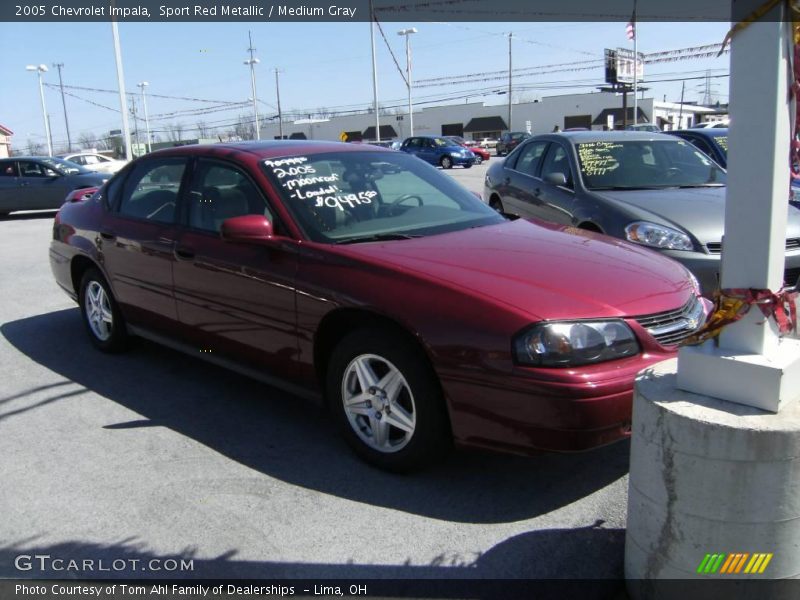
(378,403)
(98,311)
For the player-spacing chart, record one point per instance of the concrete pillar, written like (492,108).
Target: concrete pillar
(709,477)
(755,365)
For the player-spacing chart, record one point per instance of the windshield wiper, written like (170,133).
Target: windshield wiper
(378,237)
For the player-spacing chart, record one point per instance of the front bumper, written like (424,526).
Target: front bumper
(706,267)
(535,409)
(463,160)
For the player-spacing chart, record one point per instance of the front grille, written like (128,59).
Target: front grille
(671,327)
(716,247)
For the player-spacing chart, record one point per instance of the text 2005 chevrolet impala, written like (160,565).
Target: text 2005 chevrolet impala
(371,279)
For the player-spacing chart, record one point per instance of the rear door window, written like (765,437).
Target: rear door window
(151,190)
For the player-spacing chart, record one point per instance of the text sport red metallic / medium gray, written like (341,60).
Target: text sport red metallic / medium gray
(368,278)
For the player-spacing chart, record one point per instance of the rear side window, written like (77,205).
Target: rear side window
(528,158)
(7,169)
(151,190)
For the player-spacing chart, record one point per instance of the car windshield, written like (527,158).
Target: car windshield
(722,142)
(443,142)
(650,164)
(348,197)
(64,167)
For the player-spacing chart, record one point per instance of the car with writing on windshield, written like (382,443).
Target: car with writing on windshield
(651,189)
(438,151)
(374,283)
(41,182)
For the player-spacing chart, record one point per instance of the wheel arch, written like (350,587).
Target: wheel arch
(340,322)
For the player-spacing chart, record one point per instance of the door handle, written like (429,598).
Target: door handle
(107,235)
(184,252)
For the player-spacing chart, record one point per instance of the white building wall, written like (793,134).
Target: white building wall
(543,116)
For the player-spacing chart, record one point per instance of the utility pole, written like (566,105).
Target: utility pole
(148,141)
(278,95)
(680,111)
(635,68)
(374,73)
(135,122)
(253,62)
(59,66)
(510,35)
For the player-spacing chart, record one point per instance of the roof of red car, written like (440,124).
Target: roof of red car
(271,148)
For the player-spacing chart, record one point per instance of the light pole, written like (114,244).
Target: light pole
(143,85)
(407,33)
(39,70)
(123,108)
(59,66)
(253,61)
(278,95)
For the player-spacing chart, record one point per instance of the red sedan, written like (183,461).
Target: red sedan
(366,277)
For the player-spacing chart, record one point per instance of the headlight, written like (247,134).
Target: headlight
(658,236)
(569,344)
(456,154)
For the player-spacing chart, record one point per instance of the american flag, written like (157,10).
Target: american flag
(630,28)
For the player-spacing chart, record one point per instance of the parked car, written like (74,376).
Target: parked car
(480,153)
(95,162)
(438,150)
(712,125)
(488,143)
(41,182)
(509,141)
(713,141)
(643,127)
(370,279)
(652,189)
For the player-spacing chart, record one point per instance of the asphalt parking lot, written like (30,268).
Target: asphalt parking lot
(156,454)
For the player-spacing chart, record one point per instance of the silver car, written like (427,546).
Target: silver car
(652,189)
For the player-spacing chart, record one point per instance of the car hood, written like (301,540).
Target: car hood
(699,211)
(545,271)
(89,178)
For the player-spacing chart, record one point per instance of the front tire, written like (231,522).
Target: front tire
(496,204)
(387,401)
(446,162)
(478,159)
(101,314)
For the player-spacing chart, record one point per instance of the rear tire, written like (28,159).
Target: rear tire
(387,401)
(101,314)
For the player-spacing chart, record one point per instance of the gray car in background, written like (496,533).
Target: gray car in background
(648,188)
(41,182)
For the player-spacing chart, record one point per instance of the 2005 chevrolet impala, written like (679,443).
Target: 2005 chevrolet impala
(368,278)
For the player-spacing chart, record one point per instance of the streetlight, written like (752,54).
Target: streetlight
(253,61)
(39,70)
(407,33)
(143,85)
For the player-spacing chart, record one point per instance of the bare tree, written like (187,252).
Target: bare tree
(203,130)
(88,140)
(174,132)
(245,128)
(35,148)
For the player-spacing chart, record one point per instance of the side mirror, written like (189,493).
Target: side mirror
(556,179)
(250,229)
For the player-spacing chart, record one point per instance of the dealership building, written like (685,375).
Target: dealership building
(477,120)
